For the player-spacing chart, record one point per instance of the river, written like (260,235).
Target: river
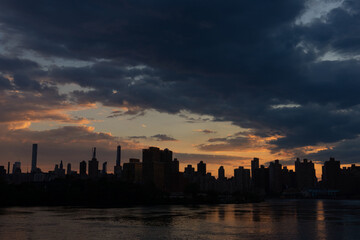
(274,219)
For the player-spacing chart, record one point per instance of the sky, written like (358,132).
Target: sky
(218,81)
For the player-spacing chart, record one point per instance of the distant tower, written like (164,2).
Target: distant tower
(61,165)
(254,165)
(8,167)
(94,153)
(68,171)
(34,157)
(189,170)
(93,165)
(201,168)
(16,167)
(117,167)
(104,169)
(331,173)
(221,173)
(82,168)
(305,174)
(275,183)
(118,156)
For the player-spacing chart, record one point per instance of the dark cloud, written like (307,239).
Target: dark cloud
(206,131)
(345,151)
(195,119)
(163,138)
(13,64)
(134,112)
(156,137)
(238,142)
(4,83)
(236,61)
(137,137)
(25,95)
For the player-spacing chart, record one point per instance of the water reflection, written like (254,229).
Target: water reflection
(288,219)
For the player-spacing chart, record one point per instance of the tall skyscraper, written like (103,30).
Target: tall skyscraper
(254,165)
(117,167)
(261,178)
(150,156)
(305,174)
(118,156)
(331,173)
(93,165)
(201,168)
(221,173)
(242,179)
(83,168)
(158,168)
(132,171)
(275,183)
(34,157)
(68,170)
(8,172)
(104,168)
(16,167)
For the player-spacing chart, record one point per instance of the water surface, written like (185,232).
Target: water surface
(280,219)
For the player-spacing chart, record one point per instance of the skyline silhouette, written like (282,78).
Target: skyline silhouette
(118,160)
(160,171)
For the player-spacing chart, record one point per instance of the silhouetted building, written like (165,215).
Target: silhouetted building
(221,173)
(104,169)
(275,183)
(261,178)
(201,168)
(93,166)
(350,180)
(34,158)
(242,179)
(288,179)
(8,170)
(2,171)
(132,171)
(117,167)
(254,165)
(83,168)
(16,168)
(305,174)
(118,155)
(59,172)
(150,156)
(158,168)
(189,170)
(68,170)
(175,166)
(331,173)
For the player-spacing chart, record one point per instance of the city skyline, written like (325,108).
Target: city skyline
(158,172)
(221,82)
(117,162)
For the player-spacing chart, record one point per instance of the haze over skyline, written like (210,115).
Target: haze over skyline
(221,82)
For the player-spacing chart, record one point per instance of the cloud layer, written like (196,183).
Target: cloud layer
(247,62)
